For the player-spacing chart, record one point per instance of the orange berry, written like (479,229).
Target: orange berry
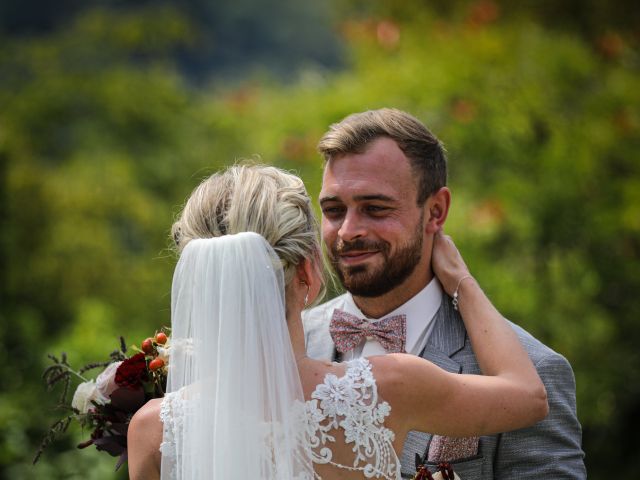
(156,363)
(147,345)
(161,338)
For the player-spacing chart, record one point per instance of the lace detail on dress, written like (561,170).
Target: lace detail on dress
(172,412)
(351,403)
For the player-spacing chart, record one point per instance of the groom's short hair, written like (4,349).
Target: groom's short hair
(425,152)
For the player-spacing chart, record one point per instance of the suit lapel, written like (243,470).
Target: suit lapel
(442,360)
(447,338)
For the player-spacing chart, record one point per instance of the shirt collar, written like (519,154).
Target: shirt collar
(419,311)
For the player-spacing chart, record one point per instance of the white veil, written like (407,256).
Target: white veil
(232,360)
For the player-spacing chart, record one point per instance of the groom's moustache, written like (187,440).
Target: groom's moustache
(341,247)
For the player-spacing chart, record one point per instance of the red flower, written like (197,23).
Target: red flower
(132,372)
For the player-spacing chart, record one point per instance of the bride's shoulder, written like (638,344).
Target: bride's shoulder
(147,418)
(144,436)
(397,374)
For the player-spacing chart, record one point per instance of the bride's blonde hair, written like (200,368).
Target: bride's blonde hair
(253,198)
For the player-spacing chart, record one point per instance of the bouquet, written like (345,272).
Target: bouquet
(105,405)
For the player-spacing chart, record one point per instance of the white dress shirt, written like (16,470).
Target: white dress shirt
(419,311)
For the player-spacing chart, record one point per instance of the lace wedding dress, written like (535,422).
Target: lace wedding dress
(347,411)
(343,412)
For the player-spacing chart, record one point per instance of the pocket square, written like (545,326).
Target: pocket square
(450,449)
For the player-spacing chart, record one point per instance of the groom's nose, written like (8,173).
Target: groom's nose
(352,227)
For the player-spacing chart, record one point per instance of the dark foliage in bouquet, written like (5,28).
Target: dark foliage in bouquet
(105,405)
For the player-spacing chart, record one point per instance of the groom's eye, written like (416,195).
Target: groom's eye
(376,209)
(332,210)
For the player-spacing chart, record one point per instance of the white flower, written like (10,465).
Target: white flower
(381,411)
(312,416)
(335,395)
(85,393)
(106,381)
(164,350)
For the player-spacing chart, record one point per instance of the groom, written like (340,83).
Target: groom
(383,198)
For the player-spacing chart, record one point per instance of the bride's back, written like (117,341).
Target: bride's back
(348,425)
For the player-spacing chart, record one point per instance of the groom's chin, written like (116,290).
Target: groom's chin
(362,285)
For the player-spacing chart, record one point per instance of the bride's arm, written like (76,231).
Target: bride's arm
(143,442)
(509,395)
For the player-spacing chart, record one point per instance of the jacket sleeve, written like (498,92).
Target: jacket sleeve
(552,447)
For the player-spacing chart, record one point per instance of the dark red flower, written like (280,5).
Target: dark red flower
(132,372)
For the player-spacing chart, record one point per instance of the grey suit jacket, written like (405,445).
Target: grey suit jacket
(549,449)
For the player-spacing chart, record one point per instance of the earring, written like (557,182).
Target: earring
(306,297)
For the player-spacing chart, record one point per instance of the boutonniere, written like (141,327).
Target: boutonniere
(444,471)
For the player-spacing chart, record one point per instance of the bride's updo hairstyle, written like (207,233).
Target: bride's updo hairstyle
(253,198)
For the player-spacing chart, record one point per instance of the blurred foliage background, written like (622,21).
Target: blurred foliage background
(111,111)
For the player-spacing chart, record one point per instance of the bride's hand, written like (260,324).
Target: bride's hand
(447,263)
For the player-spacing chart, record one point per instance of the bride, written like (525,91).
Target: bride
(245,401)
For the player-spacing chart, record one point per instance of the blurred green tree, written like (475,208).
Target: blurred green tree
(92,122)
(229,38)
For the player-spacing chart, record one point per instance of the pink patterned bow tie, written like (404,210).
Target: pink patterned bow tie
(347,331)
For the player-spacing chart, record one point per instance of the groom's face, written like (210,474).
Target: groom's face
(371,223)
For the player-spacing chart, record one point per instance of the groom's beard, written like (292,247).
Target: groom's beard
(374,281)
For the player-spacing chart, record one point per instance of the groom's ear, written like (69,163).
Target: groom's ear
(436,209)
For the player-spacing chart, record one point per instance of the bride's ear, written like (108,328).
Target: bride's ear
(308,274)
